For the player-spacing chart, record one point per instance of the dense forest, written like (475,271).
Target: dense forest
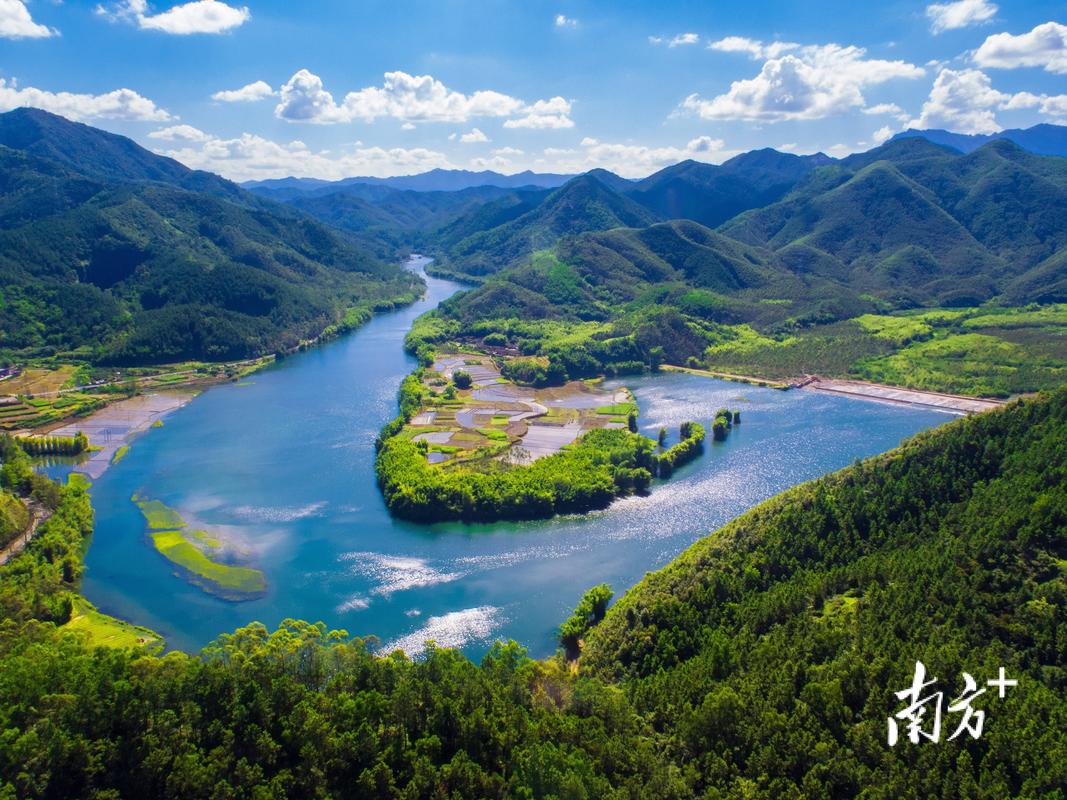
(111,254)
(761,663)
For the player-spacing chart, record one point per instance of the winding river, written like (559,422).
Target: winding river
(284,464)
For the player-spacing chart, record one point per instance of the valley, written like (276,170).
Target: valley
(353,519)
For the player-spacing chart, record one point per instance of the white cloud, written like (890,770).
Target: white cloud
(675,41)
(816,82)
(631,160)
(508,152)
(253,92)
(412,98)
(252,157)
(1045,46)
(966,102)
(754,48)
(882,135)
(474,137)
(497,163)
(554,113)
(408,126)
(960,14)
(883,108)
(563,21)
(199,16)
(889,109)
(185,133)
(119,104)
(963,101)
(16,22)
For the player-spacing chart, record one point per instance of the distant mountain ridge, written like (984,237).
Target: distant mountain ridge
(436,180)
(1044,139)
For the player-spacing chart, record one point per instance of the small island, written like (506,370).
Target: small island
(471,444)
(198,554)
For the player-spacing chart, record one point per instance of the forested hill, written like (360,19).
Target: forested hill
(918,223)
(101,155)
(586,203)
(762,663)
(767,654)
(115,255)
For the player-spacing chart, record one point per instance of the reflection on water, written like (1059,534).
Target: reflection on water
(286,464)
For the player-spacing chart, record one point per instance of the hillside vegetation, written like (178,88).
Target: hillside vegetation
(112,254)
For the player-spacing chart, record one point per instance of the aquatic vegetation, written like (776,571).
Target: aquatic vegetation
(120,454)
(222,579)
(159,515)
(186,548)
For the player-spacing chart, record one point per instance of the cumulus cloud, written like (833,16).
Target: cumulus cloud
(474,137)
(630,160)
(16,22)
(965,101)
(882,135)
(118,104)
(815,82)
(412,98)
(507,152)
(961,14)
(253,92)
(563,21)
(753,48)
(253,157)
(554,113)
(1045,46)
(185,133)
(199,16)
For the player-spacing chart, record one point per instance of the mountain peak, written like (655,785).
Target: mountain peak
(99,154)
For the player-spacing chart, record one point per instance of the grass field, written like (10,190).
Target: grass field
(105,631)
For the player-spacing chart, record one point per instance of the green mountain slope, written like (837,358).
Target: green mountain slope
(101,155)
(583,204)
(768,652)
(135,268)
(917,223)
(711,194)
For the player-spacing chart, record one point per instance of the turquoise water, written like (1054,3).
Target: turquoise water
(284,467)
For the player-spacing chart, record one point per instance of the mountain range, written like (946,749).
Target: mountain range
(112,253)
(1045,140)
(436,180)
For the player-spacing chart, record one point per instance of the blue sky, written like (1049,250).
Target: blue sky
(330,89)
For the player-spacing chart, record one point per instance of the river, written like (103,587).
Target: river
(284,464)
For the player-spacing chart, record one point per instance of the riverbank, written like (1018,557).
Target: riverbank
(951,403)
(727,376)
(115,426)
(861,390)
